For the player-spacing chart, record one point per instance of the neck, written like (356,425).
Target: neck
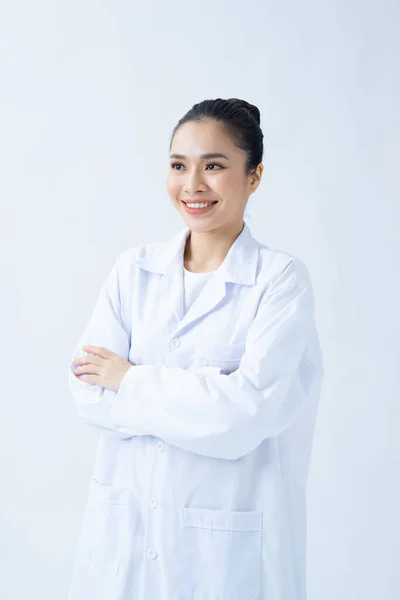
(206,251)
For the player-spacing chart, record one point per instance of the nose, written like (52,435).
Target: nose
(194,182)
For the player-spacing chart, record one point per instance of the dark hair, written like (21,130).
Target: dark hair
(240,119)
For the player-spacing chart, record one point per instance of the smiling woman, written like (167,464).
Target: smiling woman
(203,372)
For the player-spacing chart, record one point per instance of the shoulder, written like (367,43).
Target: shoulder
(280,267)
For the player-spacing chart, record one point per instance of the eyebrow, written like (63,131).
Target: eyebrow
(208,155)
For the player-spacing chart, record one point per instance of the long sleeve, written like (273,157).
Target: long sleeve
(105,328)
(228,416)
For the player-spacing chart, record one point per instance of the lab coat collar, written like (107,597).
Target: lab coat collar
(239,265)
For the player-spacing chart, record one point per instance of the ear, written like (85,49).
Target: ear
(255,178)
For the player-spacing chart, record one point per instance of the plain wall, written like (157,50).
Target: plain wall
(89,95)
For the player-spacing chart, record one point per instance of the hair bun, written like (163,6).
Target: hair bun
(253,110)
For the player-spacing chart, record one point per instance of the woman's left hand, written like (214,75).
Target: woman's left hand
(104,368)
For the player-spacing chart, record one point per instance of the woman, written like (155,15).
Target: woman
(201,365)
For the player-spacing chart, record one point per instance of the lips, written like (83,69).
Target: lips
(198,211)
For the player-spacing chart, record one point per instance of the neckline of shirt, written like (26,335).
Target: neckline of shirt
(196,274)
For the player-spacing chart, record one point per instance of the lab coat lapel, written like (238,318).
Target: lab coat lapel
(210,296)
(172,293)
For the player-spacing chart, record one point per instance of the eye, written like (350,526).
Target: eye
(215,165)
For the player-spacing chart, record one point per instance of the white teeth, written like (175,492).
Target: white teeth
(198,205)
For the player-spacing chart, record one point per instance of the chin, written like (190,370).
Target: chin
(204,227)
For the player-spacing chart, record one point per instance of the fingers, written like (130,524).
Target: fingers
(99,350)
(86,360)
(89,379)
(89,369)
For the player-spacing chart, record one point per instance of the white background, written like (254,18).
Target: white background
(89,95)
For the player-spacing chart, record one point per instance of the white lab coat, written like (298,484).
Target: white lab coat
(198,487)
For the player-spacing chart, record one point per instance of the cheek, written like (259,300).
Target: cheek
(231,188)
(173,187)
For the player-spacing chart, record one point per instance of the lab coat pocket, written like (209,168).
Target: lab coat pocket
(223,355)
(105,541)
(221,554)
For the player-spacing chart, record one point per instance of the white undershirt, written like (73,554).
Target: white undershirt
(194,283)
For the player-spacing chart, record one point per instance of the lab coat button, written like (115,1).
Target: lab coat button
(153,502)
(160,446)
(151,554)
(175,343)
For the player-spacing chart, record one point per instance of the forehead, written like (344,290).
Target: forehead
(197,137)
